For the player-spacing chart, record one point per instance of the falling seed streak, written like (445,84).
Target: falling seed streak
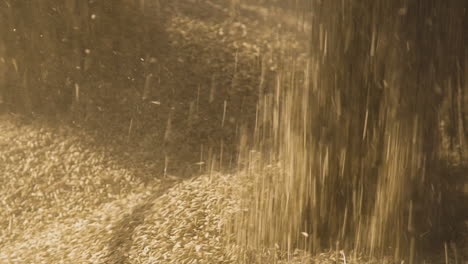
(198,97)
(461,129)
(365,125)
(221,154)
(446,253)
(236,61)
(224,113)
(77,92)
(201,158)
(325,44)
(256,119)
(130,129)
(168,132)
(212,89)
(166,164)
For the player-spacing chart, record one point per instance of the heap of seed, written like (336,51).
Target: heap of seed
(185,225)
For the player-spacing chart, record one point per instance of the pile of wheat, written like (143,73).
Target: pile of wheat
(185,225)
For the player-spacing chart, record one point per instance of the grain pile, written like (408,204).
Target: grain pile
(67,200)
(51,173)
(85,239)
(58,189)
(185,224)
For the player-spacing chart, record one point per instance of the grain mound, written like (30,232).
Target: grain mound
(185,225)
